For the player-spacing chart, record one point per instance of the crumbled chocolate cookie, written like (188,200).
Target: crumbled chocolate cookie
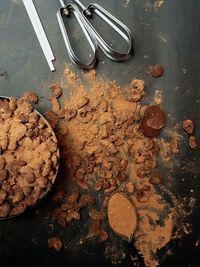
(26,158)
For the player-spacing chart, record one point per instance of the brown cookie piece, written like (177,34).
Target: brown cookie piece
(97,215)
(56,89)
(73,197)
(31,96)
(188,126)
(102,235)
(4,210)
(193,142)
(86,200)
(55,243)
(156,179)
(135,91)
(156,71)
(55,106)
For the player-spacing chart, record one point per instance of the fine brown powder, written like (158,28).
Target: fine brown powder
(122,215)
(107,152)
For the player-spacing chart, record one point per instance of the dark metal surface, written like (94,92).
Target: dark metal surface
(169,35)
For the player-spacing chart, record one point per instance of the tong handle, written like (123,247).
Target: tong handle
(84,8)
(63,5)
(66,10)
(115,24)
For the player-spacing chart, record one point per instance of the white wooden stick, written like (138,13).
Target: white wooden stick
(39,30)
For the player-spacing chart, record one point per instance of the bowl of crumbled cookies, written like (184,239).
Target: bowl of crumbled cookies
(29,155)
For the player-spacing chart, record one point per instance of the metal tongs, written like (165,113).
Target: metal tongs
(93,37)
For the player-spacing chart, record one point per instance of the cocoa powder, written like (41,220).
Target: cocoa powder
(122,215)
(106,150)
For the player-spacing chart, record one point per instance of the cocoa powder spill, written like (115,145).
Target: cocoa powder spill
(122,216)
(110,145)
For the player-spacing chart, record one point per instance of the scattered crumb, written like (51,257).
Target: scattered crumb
(55,242)
(70,75)
(188,126)
(158,97)
(193,142)
(197,243)
(110,143)
(156,71)
(56,89)
(158,3)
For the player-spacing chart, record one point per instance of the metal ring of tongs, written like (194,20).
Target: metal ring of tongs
(66,10)
(116,24)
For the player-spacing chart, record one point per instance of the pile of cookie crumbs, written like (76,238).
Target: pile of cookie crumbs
(111,143)
(28,155)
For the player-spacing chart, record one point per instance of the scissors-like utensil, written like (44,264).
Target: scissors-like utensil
(94,38)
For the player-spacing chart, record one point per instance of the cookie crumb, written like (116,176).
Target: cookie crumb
(193,142)
(156,71)
(55,243)
(188,126)
(56,90)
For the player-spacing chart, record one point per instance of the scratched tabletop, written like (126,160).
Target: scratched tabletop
(165,32)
